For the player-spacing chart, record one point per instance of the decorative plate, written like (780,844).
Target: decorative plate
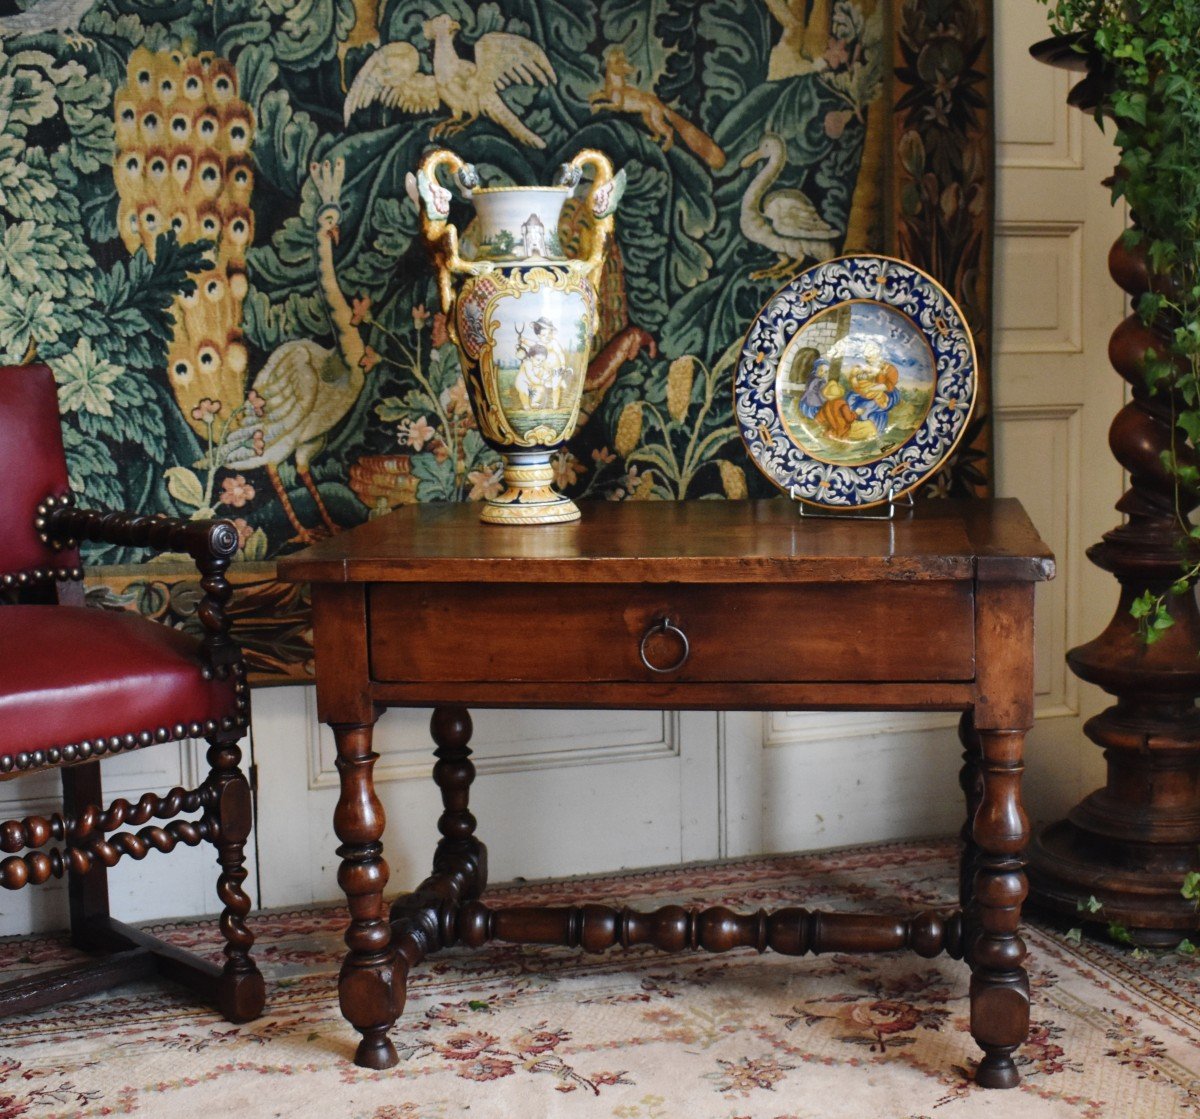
(855,382)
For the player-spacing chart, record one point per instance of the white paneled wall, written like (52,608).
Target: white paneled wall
(1055,391)
(568,792)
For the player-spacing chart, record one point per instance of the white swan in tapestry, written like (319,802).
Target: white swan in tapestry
(784,221)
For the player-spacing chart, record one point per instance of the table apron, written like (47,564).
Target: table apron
(601,634)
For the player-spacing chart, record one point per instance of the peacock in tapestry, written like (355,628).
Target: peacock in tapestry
(305,389)
(183,164)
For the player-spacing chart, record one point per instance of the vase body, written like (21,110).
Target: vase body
(524,335)
(522,316)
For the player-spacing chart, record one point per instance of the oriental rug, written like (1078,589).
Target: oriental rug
(532,1032)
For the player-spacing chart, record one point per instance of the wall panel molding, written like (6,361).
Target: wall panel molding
(1043,314)
(1035,128)
(503,741)
(1045,441)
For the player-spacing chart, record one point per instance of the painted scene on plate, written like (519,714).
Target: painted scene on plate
(855,383)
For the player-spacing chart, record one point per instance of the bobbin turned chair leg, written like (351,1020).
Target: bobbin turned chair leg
(240,990)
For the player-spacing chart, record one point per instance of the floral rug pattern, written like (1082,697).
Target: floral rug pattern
(522,1031)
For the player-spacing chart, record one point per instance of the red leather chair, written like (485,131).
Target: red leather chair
(79,684)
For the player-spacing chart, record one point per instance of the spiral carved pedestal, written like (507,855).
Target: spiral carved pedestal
(1130,843)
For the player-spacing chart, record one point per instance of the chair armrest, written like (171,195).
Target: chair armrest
(211,545)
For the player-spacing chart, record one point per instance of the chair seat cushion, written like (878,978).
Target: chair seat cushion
(70,674)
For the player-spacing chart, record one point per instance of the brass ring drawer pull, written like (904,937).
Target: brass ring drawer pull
(664,626)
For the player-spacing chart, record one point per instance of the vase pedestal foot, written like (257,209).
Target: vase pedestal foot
(529,496)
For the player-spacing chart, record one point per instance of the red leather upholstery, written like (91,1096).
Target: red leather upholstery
(73,674)
(32,466)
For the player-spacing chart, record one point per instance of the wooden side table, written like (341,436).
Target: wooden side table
(696,605)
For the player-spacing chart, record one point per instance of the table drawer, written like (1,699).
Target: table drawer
(913,631)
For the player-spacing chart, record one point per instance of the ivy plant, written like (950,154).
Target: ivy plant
(1149,55)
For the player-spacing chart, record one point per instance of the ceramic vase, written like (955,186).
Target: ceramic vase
(522,315)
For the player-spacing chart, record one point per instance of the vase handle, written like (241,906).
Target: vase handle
(433,204)
(605,193)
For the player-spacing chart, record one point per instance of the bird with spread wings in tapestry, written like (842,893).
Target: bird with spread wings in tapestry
(392,76)
(44,16)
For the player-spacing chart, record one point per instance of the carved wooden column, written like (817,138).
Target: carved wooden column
(1130,843)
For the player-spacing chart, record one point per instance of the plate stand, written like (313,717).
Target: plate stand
(887,511)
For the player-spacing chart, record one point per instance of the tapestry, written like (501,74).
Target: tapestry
(205,234)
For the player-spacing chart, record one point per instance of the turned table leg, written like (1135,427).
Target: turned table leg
(994,734)
(970,780)
(421,919)
(371,986)
(459,853)
(995,950)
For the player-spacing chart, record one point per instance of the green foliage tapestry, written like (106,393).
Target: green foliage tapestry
(237,333)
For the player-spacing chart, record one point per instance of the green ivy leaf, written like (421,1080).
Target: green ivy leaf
(1119,933)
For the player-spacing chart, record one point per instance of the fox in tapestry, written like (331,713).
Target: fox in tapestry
(205,231)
